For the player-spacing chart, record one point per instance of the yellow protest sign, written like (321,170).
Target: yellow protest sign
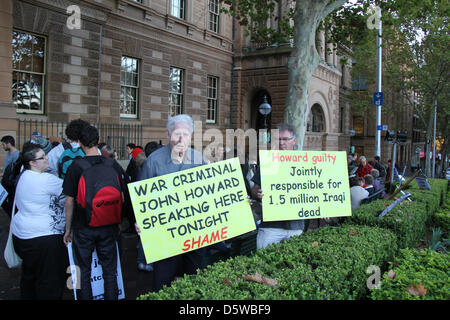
(191,209)
(304,185)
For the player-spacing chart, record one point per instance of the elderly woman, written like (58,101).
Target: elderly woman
(364,167)
(38,227)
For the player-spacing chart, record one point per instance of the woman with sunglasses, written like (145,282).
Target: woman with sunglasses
(38,227)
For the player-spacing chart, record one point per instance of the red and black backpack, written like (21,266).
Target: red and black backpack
(99,192)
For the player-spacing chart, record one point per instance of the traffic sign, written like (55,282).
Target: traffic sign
(378,98)
(382,127)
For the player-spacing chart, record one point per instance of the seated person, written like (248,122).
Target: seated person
(377,184)
(368,179)
(357,192)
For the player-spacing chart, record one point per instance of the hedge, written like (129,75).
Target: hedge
(406,220)
(328,263)
(416,275)
(441,219)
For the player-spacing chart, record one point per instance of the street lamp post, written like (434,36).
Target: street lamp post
(265,109)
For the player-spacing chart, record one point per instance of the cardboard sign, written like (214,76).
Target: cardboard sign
(96,276)
(191,209)
(423,183)
(304,185)
(3,194)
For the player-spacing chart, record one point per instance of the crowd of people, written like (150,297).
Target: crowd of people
(60,207)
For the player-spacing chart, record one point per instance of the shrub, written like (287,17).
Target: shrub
(407,219)
(418,275)
(329,263)
(441,219)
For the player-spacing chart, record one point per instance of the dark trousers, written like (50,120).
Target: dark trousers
(165,271)
(44,265)
(103,239)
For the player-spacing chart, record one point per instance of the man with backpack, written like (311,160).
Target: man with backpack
(58,161)
(94,187)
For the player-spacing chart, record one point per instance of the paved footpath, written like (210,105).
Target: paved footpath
(135,282)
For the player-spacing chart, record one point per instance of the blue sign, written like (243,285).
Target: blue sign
(378,98)
(382,127)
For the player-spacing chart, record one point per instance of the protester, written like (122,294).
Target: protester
(73,131)
(79,230)
(368,180)
(9,145)
(377,184)
(129,149)
(9,178)
(45,144)
(380,167)
(357,192)
(389,170)
(351,165)
(38,228)
(363,168)
(132,168)
(274,232)
(107,151)
(174,157)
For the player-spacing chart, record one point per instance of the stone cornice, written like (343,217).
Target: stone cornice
(87,8)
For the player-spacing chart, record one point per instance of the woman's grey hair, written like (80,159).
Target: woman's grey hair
(362,158)
(180,118)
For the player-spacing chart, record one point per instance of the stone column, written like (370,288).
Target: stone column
(322,45)
(8,123)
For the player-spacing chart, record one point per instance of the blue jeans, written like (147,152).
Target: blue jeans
(103,239)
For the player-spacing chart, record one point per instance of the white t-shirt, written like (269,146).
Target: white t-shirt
(357,194)
(40,205)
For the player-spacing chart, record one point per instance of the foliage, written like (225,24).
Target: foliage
(416,275)
(332,262)
(407,219)
(441,219)
(329,263)
(437,242)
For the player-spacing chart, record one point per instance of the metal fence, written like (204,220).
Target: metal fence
(116,135)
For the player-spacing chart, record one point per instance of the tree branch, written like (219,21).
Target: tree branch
(331,6)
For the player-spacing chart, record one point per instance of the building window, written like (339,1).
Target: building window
(212,92)
(28,78)
(178,9)
(129,87)
(316,119)
(358,125)
(176,90)
(214,9)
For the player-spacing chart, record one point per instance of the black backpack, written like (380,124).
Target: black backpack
(65,160)
(99,192)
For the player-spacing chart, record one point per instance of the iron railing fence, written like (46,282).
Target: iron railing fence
(115,135)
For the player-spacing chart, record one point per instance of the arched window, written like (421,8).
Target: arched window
(316,119)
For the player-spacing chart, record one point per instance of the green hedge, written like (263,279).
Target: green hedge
(329,263)
(407,219)
(441,219)
(419,275)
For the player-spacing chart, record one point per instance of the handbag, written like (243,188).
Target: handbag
(10,255)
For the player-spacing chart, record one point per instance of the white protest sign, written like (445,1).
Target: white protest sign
(3,194)
(96,275)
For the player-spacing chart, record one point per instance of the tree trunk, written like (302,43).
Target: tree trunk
(303,60)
